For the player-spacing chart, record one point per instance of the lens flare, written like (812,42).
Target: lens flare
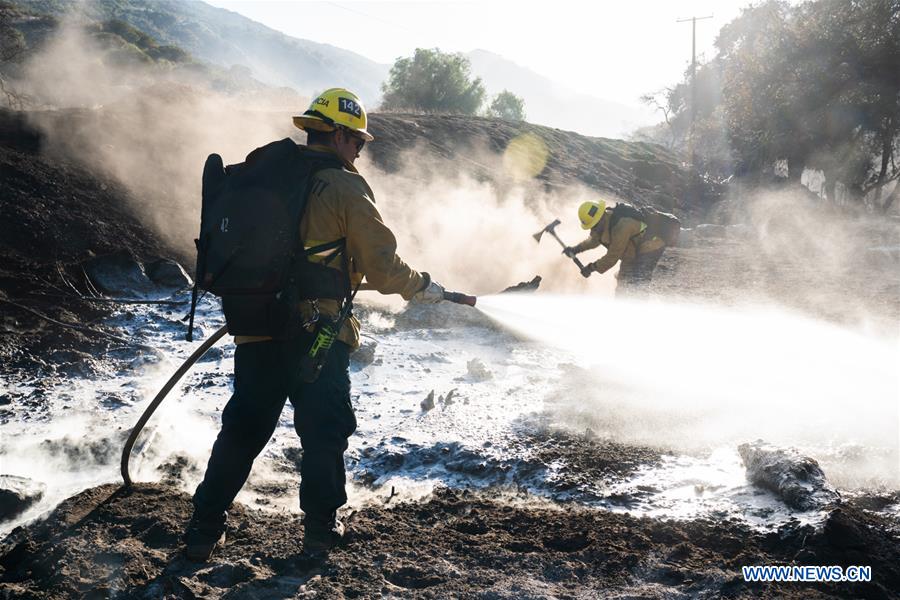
(525,156)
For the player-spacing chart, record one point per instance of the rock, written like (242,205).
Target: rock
(122,274)
(144,360)
(740,231)
(525,286)
(364,355)
(17,494)
(448,401)
(478,371)
(169,274)
(214,354)
(116,401)
(709,231)
(118,274)
(175,469)
(75,363)
(842,531)
(796,479)
(428,403)
(687,238)
(80,451)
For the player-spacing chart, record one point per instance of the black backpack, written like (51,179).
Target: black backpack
(659,224)
(249,251)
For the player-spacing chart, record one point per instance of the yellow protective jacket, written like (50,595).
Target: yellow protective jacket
(623,243)
(341,205)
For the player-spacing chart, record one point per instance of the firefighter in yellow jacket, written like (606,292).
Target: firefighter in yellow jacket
(340,206)
(626,238)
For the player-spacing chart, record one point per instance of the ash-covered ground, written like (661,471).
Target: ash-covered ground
(542,446)
(487,464)
(106,543)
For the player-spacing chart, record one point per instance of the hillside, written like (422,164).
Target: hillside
(634,171)
(107,56)
(55,217)
(226,38)
(551,103)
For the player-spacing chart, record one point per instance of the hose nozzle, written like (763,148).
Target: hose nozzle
(460,298)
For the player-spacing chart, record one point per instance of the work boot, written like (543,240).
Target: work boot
(202,536)
(321,535)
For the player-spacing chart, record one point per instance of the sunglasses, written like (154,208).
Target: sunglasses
(358,141)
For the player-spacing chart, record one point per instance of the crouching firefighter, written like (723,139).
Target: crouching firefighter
(286,238)
(635,236)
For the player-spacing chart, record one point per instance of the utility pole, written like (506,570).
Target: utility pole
(693,21)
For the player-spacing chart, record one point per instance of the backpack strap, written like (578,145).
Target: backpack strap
(623,210)
(326,247)
(320,161)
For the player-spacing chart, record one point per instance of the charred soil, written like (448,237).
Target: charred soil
(56,217)
(108,542)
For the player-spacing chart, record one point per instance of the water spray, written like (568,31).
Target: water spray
(696,377)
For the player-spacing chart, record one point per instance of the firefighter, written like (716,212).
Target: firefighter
(341,205)
(633,236)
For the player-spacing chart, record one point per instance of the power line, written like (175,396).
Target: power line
(693,21)
(373,17)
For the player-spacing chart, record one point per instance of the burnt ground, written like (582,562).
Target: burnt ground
(106,542)
(55,217)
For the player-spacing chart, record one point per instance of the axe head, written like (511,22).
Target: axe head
(550,227)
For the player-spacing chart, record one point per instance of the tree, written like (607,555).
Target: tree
(662,133)
(507,105)
(433,81)
(815,85)
(712,151)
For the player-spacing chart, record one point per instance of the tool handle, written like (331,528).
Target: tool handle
(460,298)
(563,244)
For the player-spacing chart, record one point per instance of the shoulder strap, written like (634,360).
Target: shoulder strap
(622,210)
(319,162)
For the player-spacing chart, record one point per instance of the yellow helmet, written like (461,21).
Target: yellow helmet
(335,106)
(590,213)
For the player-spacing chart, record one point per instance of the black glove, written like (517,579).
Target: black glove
(587,270)
(569,251)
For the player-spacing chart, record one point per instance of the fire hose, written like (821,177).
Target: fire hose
(455,297)
(161,395)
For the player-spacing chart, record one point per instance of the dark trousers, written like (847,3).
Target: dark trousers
(265,375)
(634,275)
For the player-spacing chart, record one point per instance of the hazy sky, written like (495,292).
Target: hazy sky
(616,50)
